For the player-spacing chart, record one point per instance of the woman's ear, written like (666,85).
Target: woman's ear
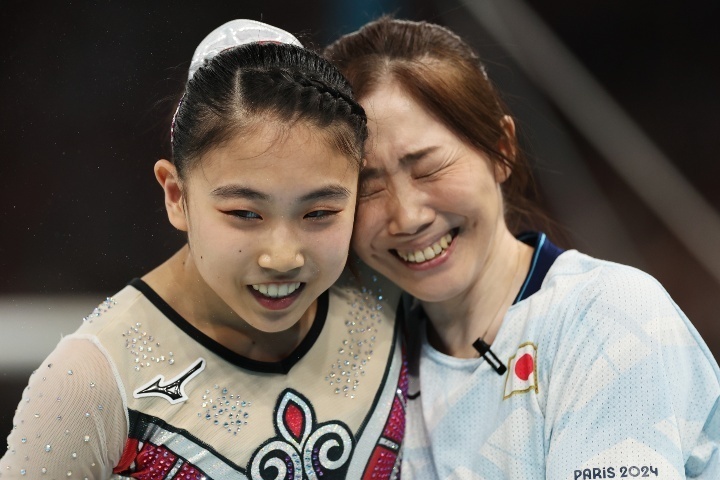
(167,177)
(506,146)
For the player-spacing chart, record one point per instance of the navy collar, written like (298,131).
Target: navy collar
(543,258)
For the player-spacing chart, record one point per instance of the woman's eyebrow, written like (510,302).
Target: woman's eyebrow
(369,173)
(413,157)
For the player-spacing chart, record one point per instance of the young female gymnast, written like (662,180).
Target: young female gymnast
(532,362)
(237,358)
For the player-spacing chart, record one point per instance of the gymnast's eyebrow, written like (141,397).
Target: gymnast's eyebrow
(329,192)
(239,191)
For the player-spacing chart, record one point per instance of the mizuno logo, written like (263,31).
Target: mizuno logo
(173,390)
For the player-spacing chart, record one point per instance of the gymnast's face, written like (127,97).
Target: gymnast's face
(269,217)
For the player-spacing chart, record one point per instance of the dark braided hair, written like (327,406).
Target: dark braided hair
(257,82)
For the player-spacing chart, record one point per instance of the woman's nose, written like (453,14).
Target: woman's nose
(408,213)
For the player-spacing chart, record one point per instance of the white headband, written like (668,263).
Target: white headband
(235,33)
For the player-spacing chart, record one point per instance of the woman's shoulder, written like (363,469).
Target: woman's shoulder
(586,299)
(616,306)
(574,263)
(590,279)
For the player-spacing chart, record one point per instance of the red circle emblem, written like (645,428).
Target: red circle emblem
(524,366)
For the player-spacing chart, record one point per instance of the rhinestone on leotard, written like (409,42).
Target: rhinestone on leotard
(106,305)
(226,410)
(144,348)
(356,350)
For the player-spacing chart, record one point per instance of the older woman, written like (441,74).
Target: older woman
(531,362)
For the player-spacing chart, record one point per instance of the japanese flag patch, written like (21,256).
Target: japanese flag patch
(522,371)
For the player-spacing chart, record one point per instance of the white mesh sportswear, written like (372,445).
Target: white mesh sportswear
(72,420)
(606,378)
(137,392)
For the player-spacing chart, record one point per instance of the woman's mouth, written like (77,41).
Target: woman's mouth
(429,252)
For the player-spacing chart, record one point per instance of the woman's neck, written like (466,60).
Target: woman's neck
(478,312)
(179,283)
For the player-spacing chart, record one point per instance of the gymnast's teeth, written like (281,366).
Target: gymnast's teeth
(427,253)
(276,290)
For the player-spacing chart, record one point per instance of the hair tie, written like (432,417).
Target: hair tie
(235,33)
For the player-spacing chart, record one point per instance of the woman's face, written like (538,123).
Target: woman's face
(269,217)
(430,210)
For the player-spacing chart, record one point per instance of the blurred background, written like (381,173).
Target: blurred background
(616,102)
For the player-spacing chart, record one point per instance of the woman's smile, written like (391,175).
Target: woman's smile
(425,254)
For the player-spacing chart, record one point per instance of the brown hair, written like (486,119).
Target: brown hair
(445,76)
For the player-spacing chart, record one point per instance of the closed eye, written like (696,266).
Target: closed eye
(370,188)
(429,173)
(368,192)
(371,182)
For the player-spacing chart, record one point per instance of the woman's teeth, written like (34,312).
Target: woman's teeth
(277,290)
(428,253)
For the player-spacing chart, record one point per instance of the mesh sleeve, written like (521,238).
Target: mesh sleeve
(635,392)
(71,421)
